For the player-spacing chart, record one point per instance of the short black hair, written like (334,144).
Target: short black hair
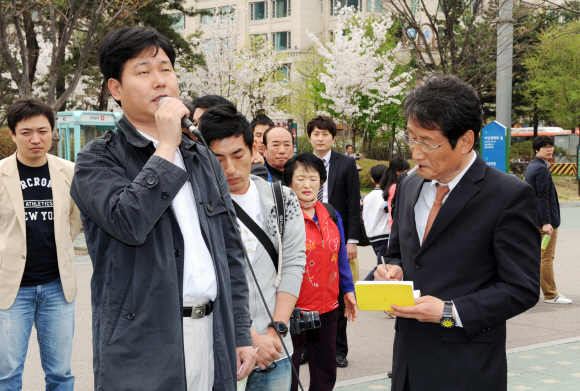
(224,121)
(261,119)
(377,172)
(348,145)
(390,176)
(447,104)
(307,160)
(323,123)
(209,101)
(25,108)
(126,43)
(542,141)
(264,137)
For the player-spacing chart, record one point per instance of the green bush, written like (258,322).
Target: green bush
(365,175)
(7,146)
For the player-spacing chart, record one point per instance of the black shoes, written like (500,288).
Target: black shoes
(303,358)
(341,362)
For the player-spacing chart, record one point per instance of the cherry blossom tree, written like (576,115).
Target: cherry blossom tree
(359,67)
(246,73)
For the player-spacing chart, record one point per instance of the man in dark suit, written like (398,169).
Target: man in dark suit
(342,191)
(465,234)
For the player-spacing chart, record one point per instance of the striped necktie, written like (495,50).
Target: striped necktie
(321,190)
(441,193)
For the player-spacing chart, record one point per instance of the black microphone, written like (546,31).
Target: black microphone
(186,123)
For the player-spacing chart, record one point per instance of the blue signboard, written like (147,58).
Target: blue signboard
(494,139)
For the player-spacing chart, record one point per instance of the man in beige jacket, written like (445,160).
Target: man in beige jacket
(38,223)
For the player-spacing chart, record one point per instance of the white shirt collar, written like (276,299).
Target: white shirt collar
(456,180)
(326,157)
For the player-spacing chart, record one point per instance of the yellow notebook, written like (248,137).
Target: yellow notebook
(380,295)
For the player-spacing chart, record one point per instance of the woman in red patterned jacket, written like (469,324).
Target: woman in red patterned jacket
(327,272)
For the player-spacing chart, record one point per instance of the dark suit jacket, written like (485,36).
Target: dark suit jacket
(344,192)
(539,177)
(482,252)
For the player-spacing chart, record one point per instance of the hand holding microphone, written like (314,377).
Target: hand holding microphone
(168,121)
(185,121)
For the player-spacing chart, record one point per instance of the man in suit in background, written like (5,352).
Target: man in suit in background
(37,259)
(342,191)
(465,234)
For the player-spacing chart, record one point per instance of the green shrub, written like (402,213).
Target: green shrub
(365,175)
(7,146)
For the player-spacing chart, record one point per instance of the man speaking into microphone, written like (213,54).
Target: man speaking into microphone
(169,293)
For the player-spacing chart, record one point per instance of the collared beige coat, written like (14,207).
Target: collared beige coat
(67,224)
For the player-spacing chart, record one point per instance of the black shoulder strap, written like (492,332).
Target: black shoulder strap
(280,208)
(331,212)
(258,232)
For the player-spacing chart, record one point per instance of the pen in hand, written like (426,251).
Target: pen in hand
(385,266)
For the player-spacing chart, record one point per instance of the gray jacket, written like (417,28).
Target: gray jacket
(293,257)
(124,193)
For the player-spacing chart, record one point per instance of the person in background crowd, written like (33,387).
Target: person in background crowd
(201,104)
(548,216)
(169,293)
(39,222)
(342,191)
(348,150)
(229,136)
(259,125)
(388,184)
(327,274)
(375,217)
(278,149)
(464,233)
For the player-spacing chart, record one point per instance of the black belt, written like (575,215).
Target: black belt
(199,311)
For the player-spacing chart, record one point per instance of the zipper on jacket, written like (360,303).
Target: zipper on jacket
(324,270)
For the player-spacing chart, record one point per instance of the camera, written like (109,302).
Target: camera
(300,321)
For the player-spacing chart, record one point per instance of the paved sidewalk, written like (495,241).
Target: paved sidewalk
(550,366)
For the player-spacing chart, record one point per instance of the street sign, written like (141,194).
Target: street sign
(494,146)
(411,33)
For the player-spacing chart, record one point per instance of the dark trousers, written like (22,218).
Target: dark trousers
(341,341)
(380,248)
(321,353)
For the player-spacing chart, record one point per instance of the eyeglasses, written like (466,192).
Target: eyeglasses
(425,147)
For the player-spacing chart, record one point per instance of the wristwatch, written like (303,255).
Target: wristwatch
(447,319)
(281,327)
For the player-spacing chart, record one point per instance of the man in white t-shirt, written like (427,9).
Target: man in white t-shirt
(229,136)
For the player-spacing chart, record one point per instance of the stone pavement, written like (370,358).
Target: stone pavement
(371,335)
(547,366)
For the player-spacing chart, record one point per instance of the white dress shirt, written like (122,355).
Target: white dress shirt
(326,160)
(199,279)
(425,203)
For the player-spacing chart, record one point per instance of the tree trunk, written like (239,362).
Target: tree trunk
(103,96)
(31,44)
(536,120)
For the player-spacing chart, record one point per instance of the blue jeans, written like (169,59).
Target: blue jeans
(46,308)
(279,379)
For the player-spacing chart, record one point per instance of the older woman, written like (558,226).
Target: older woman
(327,270)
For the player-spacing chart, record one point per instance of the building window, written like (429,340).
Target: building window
(415,6)
(257,40)
(207,15)
(259,11)
(225,12)
(343,3)
(374,5)
(283,73)
(282,41)
(280,8)
(178,22)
